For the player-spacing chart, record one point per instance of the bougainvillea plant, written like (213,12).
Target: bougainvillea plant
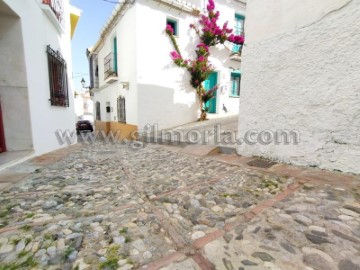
(210,34)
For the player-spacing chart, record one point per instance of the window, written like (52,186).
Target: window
(235,84)
(57,79)
(97,112)
(110,61)
(121,109)
(238,30)
(174,25)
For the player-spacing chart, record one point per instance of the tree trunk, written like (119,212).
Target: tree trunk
(203,113)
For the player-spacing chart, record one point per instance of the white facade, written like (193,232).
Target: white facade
(156,90)
(301,72)
(84,106)
(26,29)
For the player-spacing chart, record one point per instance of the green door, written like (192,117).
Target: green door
(209,83)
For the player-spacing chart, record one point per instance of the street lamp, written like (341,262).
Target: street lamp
(83,82)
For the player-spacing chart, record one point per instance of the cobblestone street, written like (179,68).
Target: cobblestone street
(105,206)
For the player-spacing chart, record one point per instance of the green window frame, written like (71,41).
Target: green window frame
(238,30)
(235,84)
(174,24)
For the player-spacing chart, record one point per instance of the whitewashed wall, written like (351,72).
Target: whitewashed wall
(300,72)
(165,95)
(38,31)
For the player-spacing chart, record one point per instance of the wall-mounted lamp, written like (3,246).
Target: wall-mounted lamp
(125,85)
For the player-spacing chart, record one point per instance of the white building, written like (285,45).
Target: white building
(301,72)
(35,73)
(133,78)
(84,106)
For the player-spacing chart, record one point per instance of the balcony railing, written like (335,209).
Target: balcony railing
(110,68)
(57,7)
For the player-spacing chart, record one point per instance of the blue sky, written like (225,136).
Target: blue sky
(93,17)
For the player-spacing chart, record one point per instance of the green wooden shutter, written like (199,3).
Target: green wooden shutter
(115,55)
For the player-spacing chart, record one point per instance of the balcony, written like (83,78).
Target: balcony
(54,9)
(110,68)
(235,55)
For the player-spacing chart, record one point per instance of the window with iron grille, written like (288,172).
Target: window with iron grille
(121,109)
(59,95)
(97,113)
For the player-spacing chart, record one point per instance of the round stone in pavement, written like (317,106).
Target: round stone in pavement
(348,265)
(317,259)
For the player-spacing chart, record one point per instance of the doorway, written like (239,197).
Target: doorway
(209,83)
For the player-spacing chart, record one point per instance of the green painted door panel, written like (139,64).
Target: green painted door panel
(209,83)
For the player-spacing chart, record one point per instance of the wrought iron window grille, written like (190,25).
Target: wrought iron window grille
(59,94)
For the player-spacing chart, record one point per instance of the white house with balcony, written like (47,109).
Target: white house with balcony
(133,79)
(36,96)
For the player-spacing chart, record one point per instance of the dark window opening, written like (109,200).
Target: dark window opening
(58,80)
(174,25)
(97,113)
(121,109)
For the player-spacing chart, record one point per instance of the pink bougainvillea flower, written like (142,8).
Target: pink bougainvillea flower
(239,40)
(202,45)
(231,38)
(201,58)
(211,6)
(169,29)
(175,55)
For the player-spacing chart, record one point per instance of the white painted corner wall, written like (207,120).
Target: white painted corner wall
(38,31)
(301,72)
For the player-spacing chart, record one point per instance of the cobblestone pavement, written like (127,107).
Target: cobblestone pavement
(110,207)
